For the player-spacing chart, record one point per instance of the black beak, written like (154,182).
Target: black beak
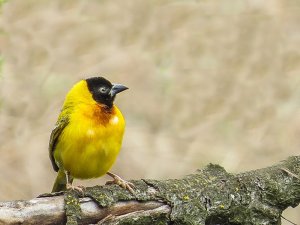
(117,88)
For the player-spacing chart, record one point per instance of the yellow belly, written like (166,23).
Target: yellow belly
(88,149)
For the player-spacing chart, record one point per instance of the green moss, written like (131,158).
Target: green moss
(210,196)
(72,207)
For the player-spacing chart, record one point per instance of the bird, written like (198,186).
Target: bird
(87,137)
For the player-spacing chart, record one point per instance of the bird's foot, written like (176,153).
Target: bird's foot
(78,188)
(121,182)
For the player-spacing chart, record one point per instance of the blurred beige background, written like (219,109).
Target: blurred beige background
(210,81)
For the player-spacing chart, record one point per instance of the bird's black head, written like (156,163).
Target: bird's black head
(103,91)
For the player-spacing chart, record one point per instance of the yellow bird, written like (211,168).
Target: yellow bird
(88,134)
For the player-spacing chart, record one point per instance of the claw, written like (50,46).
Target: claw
(79,188)
(122,183)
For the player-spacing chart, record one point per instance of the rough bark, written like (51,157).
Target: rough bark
(210,196)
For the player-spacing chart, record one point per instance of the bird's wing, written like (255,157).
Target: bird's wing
(62,122)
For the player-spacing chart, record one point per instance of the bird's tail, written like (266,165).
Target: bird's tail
(60,183)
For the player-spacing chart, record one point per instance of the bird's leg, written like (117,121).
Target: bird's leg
(119,181)
(69,184)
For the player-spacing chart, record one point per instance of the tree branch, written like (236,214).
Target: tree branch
(210,196)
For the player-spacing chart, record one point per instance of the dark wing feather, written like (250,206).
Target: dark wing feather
(60,125)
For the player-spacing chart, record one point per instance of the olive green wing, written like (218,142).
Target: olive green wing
(62,122)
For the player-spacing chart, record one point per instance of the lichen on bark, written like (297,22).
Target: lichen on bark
(210,196)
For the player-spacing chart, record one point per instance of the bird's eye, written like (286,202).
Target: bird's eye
(103,90)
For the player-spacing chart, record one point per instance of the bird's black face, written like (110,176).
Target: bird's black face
(103,91)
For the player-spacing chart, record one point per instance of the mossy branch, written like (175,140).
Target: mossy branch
(210,196)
